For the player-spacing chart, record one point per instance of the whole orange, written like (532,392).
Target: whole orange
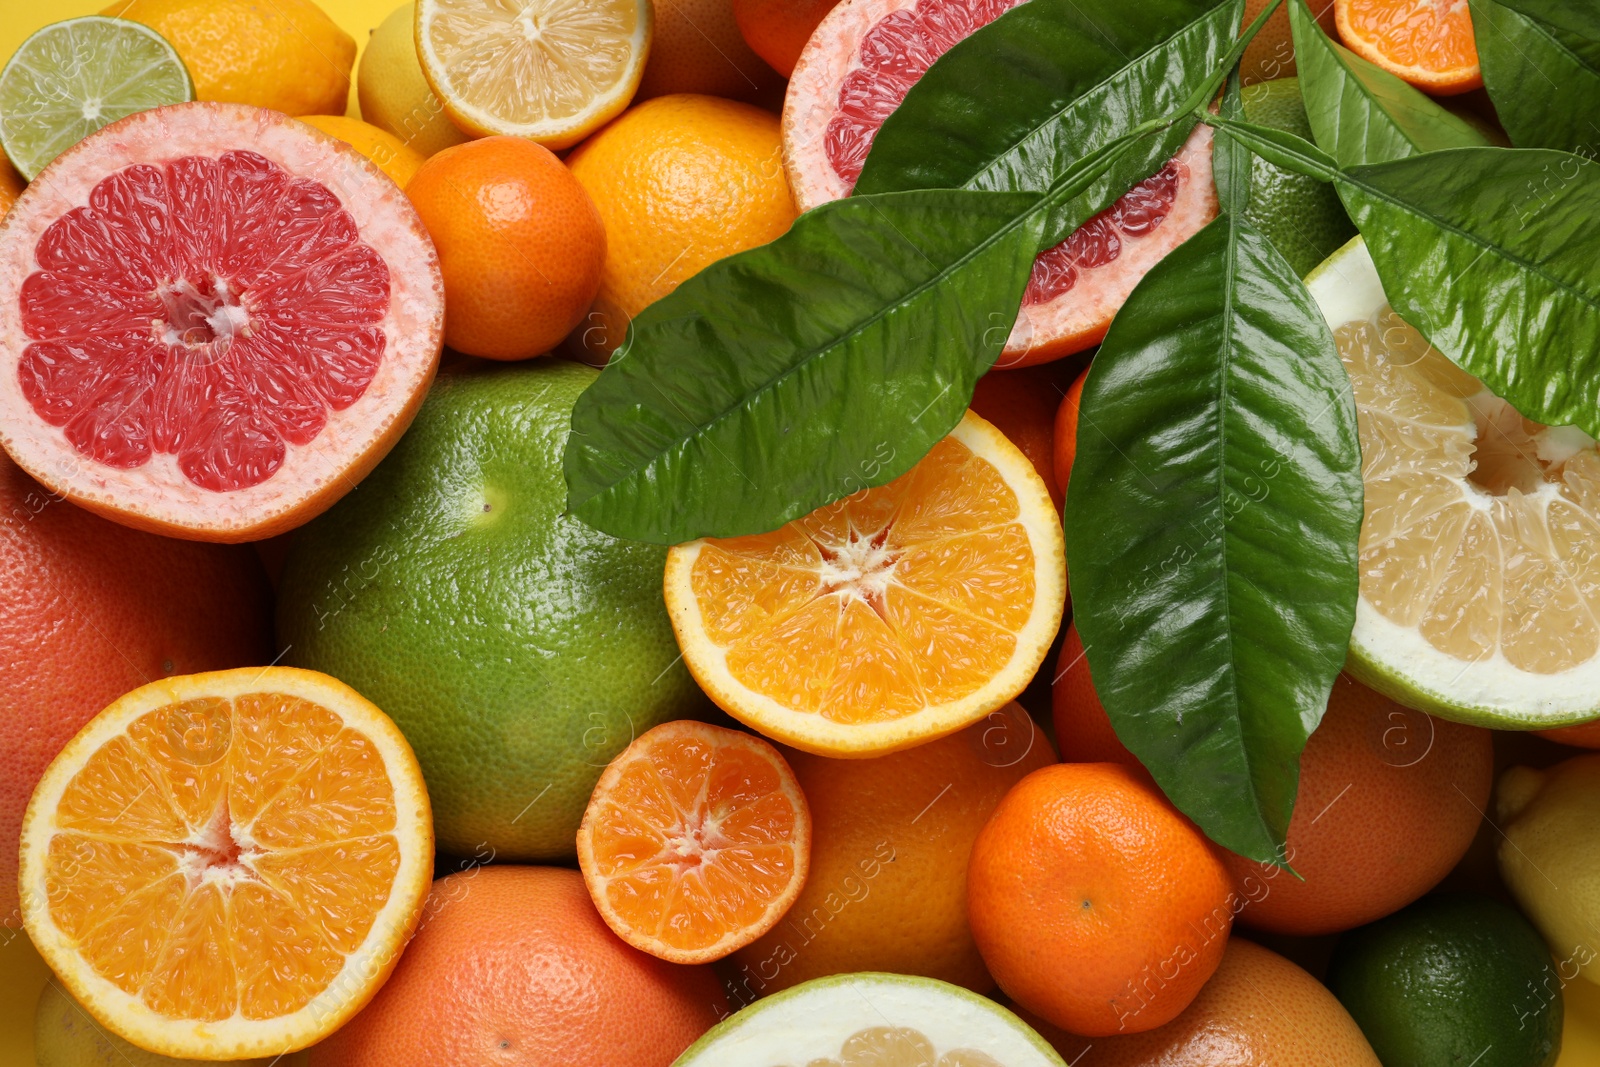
(1583,735)
(1083,730)
(1066,429)
(1258,1008)
(520,243)
(11,185)
(778,29)
(1389,799)
(889,844)
(513,965)
(681,182)
(697,48)
(90,610)
(1022,405)
(1096,905)
(1270,54)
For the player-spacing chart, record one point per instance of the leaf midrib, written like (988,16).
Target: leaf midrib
(1058,115)
(1543,29)
(674,450)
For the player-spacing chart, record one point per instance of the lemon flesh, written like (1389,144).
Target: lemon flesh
(548,70)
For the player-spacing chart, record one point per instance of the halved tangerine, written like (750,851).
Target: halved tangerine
(228,864)
(214,320)
(858,66)
(1429,43)
(695,842)
(889,618)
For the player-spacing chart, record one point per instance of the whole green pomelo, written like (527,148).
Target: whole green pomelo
(1300,215)
(65,1035)
(518,649)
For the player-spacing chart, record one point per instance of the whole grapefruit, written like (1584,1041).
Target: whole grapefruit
(1389,799)
(889,844)
(89,610)
(513,965)
(519,649)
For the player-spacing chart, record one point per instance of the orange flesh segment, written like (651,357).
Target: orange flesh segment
(900,1046)
(695,836)
(223,857)
(892,600)
(1482,532)
(1433,36)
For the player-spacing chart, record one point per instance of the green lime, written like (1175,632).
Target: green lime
(73,77)
(518,649)
(1454,979)
(1301,216)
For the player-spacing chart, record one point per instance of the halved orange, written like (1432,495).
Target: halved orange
(695,842)
(227,865)
(889,618)
(1429,43)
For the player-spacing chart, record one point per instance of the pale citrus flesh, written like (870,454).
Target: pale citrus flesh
(899,614)
(549,70)
(1480,546)
(228,864)
(696,841)
(899,1046)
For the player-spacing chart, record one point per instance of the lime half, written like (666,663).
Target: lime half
(73,77)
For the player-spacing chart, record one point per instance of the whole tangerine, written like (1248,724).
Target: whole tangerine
(1095,903)
(520,244)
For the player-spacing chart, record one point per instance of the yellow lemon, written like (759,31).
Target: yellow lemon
(393,93)
(287,55)
(1550,856)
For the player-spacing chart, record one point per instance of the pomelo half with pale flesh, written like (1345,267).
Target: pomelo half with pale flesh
(1480,546)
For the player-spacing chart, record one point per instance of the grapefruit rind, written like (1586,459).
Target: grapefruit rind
(552,133)
(810,1022)
(364,970)
(156,496)
(1396,660)
(813,733)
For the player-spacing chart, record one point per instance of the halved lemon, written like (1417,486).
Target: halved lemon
(872,1020)
(227,865)
(552,71)
(889,618)
(1480,547)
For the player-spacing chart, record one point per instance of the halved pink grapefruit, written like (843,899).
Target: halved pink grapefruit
(214,320)
(857,67)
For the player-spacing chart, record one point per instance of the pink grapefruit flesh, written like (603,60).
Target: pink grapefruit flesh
(215,320)
(857,68)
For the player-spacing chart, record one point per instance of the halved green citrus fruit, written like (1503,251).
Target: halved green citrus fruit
(73,77)
(1480,548)
(872,1020)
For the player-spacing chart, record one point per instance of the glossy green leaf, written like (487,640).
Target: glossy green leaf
(1013,105)
(1541,66)
(1488,252)
(1360,112)
(1215,503)
(788,376)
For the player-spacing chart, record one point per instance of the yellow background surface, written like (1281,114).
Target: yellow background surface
(23,974)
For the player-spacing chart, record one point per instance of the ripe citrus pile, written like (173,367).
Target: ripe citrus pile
(329,730)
